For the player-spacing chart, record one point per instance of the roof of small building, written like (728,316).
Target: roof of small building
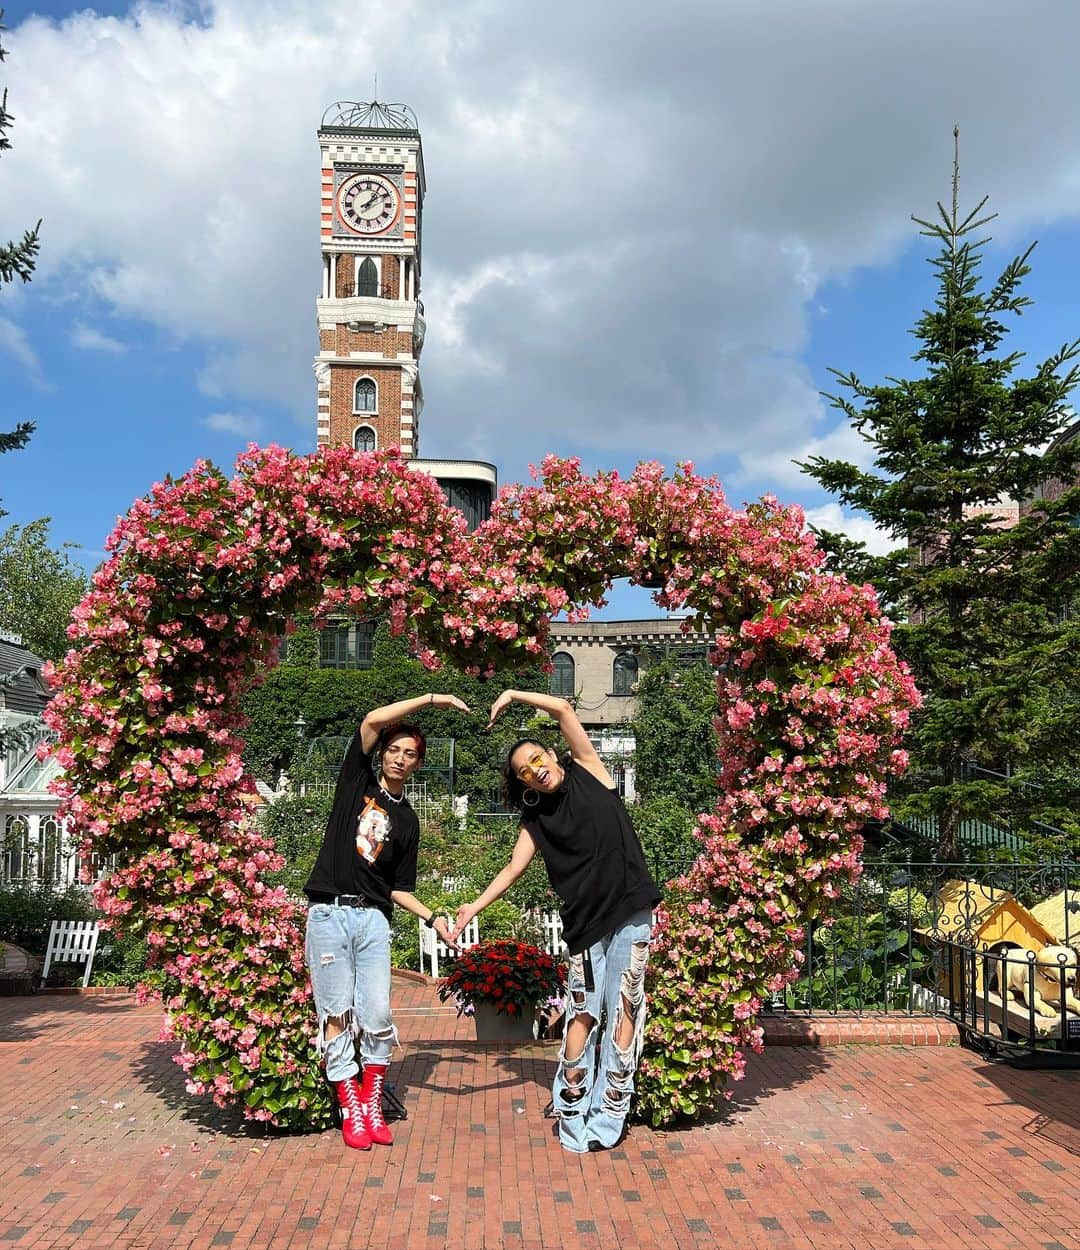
(28,693)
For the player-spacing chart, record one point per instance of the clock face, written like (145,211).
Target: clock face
(368,204)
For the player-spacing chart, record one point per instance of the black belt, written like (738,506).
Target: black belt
(354,900)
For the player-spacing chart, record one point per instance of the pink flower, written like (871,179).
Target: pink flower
(811,706)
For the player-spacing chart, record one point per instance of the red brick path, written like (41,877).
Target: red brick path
(853,1147)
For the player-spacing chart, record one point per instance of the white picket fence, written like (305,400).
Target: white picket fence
(72,942)
(433,950)
(551,923)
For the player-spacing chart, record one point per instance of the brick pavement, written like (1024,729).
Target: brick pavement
(852,1147)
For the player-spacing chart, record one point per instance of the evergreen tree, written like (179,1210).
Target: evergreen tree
(16,261)
(986,611)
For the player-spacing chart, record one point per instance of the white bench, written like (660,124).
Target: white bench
(72,942)
(433,948)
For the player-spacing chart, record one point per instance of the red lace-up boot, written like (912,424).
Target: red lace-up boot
(353,1122)
(371,1098)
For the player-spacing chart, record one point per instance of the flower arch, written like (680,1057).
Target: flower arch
(206,571)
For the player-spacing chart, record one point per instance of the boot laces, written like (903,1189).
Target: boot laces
(374,1106)
(351,1100)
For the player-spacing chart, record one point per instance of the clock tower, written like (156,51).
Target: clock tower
(371,324)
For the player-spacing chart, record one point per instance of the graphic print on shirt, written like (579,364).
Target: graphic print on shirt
(372,830)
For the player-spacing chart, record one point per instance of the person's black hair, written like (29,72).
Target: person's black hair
(398,730)
(512,785)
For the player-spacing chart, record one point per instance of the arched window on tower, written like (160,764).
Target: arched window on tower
(624,673)
(562,677)
(365,396)
(367,278)
(364,438)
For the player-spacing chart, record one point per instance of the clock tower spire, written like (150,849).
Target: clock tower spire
(371,323)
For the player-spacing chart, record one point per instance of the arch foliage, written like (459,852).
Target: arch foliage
(206,572)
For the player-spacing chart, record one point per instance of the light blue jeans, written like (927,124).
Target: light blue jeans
(348,957)
(591,1101)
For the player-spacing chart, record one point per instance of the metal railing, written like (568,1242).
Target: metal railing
(892,941)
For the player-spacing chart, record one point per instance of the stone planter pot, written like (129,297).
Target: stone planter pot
(496,1026)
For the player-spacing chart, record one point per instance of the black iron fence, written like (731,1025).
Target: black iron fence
(991,947)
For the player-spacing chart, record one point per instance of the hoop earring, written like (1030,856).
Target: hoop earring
(527,801)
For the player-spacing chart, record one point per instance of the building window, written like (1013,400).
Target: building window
(367,278)
(365,396)
(624,673)
(562,678)
(364,438)
(16,849)
(347,645)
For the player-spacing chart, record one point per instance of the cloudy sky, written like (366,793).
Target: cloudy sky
(649,231)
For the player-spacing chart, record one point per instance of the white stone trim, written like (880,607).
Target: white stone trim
(364,358)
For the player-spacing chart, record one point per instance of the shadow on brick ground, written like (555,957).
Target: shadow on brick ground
(1051,1095)
(155,1069)
(55,1017)
(448,1068)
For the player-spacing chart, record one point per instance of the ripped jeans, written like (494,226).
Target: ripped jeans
(348,956)
(591,1101)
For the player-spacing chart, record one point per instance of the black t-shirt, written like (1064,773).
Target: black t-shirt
(371,842)
(592,856)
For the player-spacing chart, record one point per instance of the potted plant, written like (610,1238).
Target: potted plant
(501,984)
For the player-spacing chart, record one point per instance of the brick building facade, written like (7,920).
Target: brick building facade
(371,323)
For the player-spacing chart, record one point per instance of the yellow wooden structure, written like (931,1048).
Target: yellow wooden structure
(1061,915)
(982,917)
(978,919)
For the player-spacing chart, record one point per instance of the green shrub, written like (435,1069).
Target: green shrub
(125,963)
(861,963)
(26,912)
(297,823)
(666,829)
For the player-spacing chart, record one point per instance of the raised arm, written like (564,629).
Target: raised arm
(377,720)
(581,749)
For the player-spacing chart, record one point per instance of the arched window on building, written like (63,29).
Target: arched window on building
(562,678)
(16,862)
(364,438)
(365,396)
(367,278)
(624,673)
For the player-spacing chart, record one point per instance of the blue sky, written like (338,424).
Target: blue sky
(656,253)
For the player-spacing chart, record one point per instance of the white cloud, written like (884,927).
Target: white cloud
(612,258)
(240,423)
(15,342)
(780,464)
(854,525)
(88,338)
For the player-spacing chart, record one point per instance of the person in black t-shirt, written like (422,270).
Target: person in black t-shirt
(366,864)
(572,814)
